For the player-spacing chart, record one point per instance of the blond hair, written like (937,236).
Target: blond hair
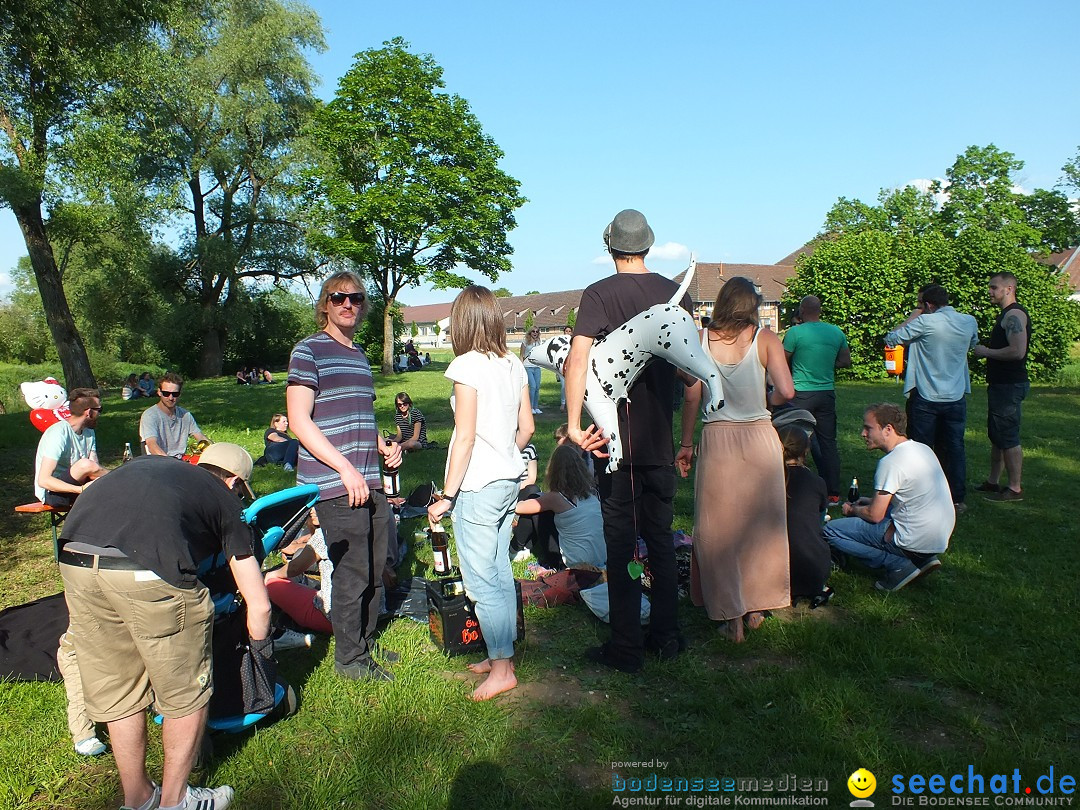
(334,283)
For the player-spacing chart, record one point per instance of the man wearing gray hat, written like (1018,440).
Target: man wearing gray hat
(636,498)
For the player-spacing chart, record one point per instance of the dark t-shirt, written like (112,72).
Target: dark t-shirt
(1007,371)
(810,558)
(267,444)
(607,305)
(161,512)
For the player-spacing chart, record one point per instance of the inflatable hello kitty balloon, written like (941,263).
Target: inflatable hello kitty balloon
(48,401)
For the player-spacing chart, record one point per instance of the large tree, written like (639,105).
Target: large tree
(58,58)
(407,185)
(220,118)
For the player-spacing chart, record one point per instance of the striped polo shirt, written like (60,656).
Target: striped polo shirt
(344,410)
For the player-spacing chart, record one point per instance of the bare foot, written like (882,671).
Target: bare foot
(754,620)
(482,668)
(732,630)
(502,679)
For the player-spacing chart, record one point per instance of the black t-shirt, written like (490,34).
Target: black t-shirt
(1007,371)
(810,557)
(607,305)
(267,444)
(161,512)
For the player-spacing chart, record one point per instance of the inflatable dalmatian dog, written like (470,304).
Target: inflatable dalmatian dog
(665,331)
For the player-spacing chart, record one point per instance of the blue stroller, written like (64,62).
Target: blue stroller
(233,707)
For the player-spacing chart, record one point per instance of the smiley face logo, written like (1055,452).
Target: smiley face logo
(861,783)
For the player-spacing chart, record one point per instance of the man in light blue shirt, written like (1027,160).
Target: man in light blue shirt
(938,339)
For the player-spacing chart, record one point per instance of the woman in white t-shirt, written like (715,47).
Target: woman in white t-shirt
(492,424)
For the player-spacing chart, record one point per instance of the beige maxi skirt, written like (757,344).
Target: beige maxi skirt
(740,562)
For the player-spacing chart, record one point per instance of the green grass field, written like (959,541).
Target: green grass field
(976,665)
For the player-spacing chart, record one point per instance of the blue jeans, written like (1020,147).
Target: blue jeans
(533,373)
(865,542)
(483,523)
(940,425)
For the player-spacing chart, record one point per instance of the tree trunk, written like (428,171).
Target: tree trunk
(211,354)
(69,344)
(388,339)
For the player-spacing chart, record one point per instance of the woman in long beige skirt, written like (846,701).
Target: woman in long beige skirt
(740,563)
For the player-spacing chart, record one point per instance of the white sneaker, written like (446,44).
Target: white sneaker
(291,640)
(90,747)
(200,798)
(522,555)
(153,803)
(536,411)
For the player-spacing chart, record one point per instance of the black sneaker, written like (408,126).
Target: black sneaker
(599,655)
(669,650)
(363,672)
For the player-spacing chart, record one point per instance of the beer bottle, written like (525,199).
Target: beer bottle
(389,477)
(127,453)
(853,491)
(440,549)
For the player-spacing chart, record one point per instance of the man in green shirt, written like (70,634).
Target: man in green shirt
(815,349)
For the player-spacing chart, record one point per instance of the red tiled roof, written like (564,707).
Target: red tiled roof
(792,257)
(427,313)
(1067,261)
(773,279)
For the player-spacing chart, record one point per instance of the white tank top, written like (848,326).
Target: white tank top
(744,386)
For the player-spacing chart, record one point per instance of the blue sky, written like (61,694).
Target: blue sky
(733,126)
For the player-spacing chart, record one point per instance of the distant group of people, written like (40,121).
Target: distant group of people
(410,359)
(254,375)
(140,386)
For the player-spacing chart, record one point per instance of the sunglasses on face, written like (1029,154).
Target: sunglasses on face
(339,298)
(172,394)
(95,410)
(403,404)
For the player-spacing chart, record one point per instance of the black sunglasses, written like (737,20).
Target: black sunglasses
(98,409)
(339,298)
(174,394)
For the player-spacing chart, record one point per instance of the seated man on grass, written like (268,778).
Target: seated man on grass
(67,456)
(166,427)
(910,518)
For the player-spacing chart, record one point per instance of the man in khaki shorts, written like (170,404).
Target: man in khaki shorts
(141,620)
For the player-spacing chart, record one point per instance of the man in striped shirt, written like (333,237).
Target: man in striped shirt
(331,405)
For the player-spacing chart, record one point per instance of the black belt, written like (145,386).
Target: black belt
(84,560)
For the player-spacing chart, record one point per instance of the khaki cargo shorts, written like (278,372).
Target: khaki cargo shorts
(139,642)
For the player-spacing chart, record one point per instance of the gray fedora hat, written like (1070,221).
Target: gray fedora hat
(629,232)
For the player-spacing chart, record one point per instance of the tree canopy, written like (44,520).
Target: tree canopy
(406,184)
(870,260)
(59,58)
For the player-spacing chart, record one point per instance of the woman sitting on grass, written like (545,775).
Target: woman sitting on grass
(492,424)
(411,425)
(278,447)
(571,497)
